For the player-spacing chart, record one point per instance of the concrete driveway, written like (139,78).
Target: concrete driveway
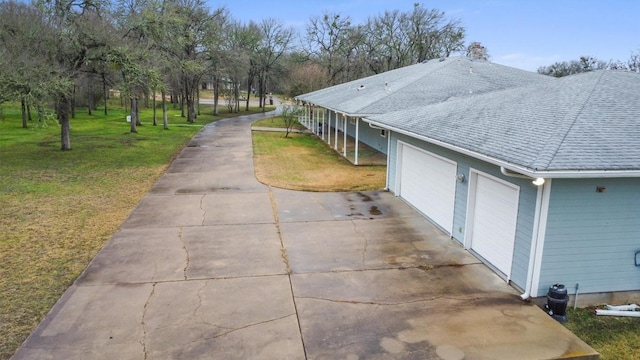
(214,265)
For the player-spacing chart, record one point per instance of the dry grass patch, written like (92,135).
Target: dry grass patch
(49,239)
(304,162)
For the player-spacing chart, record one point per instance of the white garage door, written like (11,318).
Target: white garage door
(493,227)
(428,182)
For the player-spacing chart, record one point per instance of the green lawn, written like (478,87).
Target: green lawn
(613,337)
(59,208)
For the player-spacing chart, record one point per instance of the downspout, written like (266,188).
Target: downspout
(537,241)
(355,156)
(534,244)
(386,186)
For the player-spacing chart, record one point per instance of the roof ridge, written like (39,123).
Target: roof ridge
(557,141)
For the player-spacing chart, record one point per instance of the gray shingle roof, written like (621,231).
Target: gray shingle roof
(419,85)
(582,122)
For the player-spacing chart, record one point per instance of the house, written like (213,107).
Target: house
(342,107)
(540,179)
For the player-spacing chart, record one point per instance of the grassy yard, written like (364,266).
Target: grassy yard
(613,337)
(59,208)
(302,162)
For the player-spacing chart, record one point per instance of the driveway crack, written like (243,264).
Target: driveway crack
(232,330)
(143,321)
(199,294)
(204,212)
(285,258)
(188,258)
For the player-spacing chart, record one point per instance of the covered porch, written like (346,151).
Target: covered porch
(331,131)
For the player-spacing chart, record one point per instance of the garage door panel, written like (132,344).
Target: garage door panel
(494,221)
(428,183)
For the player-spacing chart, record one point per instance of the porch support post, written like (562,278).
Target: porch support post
(324,114)
(355,157)
(329,128)
(344,137)
(335,143)
(306,116)
(314,128)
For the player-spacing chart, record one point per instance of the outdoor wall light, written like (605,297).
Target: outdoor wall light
(538,182)
(460,177)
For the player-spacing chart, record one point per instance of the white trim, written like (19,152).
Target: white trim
(344,136)
(355,155)
(324,127)
(534,243)
(513,167)
(386,186)
(542,231)
(335,143)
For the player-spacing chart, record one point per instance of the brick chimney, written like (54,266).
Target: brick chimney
(477,51)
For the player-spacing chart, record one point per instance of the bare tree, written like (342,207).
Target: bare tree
(385,42)
(275,40)
(327,42)
(565,68)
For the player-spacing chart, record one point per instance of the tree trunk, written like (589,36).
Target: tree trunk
(73,103)
(184,98)
(198,100)
(153,101)
(236,102)
(216,94)
(260,91)
(134,120)
(104,92)
(249,83)
(23,111)
(29,112)
(190,110)
(165,122)
(63,118)
(90,95)
(137,111)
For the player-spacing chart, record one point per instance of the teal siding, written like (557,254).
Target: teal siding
(368,135)
(372,137)
(591,237)
(526,207)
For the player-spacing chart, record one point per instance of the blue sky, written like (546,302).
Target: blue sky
(518,33)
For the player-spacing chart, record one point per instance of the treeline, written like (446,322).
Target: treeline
(589,63)
(65,53)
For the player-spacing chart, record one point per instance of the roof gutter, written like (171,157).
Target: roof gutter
(354,115)
(510,169)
